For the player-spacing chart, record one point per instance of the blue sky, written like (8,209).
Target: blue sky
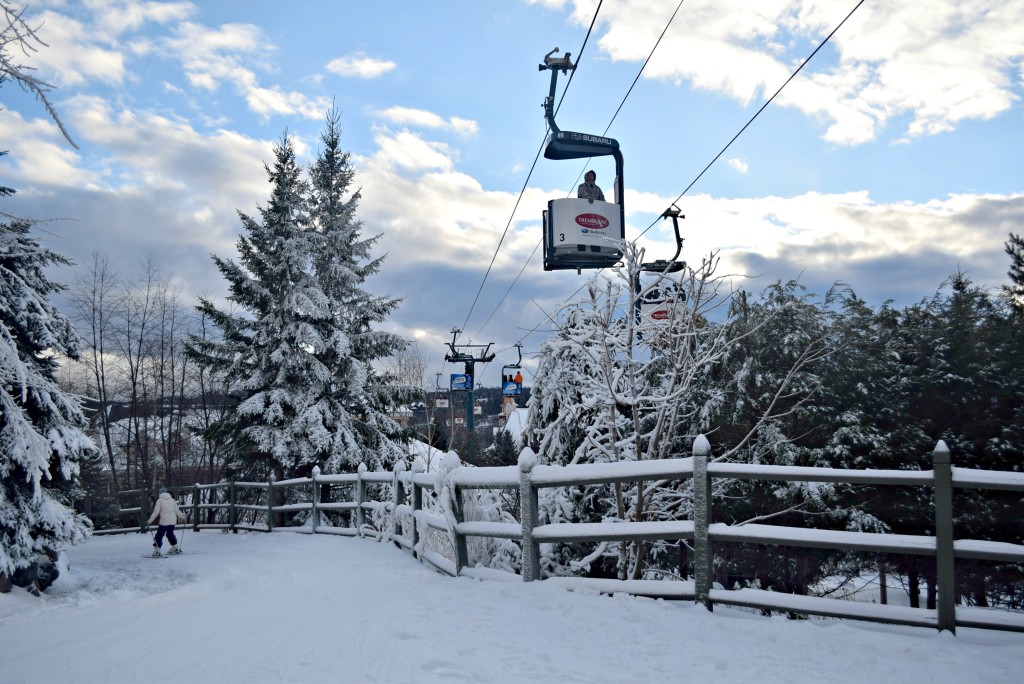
(890,162)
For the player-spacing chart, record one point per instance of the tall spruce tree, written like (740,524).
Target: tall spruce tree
(267,352)
(359,395)
(1014,292)
(41,439)
(297,349)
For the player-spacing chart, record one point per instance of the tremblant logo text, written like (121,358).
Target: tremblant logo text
(592,221)
(590,138)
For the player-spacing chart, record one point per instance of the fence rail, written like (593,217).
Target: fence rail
(434,529)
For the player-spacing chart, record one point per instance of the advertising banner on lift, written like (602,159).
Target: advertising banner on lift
(440,403)
(512,389)
(581,222)
(461,382)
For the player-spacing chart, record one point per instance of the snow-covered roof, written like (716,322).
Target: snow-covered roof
(516,423)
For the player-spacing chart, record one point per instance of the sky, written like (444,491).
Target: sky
(890,162)
(263,608)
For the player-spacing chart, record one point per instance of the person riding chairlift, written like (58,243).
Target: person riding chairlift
(589,189)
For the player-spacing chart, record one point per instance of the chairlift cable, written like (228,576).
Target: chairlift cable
(763,107)
(526,182)
(606,129)
(758,112)
(635,80)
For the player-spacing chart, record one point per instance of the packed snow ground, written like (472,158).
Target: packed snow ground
(254,608)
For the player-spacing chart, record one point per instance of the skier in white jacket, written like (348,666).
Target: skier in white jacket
(167,510)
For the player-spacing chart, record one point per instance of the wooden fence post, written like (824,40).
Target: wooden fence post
(528,503)
(316,498)
(143,507)
(945,561)
(461,549)
(417,506)
(703,555)
(232,513)
(195,507)
(270,502)
(397,499)
(360,499)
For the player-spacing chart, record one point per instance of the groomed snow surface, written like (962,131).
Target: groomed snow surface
(287,607)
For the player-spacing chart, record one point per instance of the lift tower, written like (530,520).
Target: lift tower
(469,355)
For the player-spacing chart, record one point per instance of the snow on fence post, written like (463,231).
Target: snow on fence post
(945,562)
(270,502)
(360,499)
(195,507)
(316,498)
(417,506)
(528,513)
(397,499)
(703,556)
(232,511)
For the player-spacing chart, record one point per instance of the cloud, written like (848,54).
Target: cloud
(360,66)
(151,185)
(407,116)
(213,57)
(936,64)
(738,165)
(883,250)
(99,43)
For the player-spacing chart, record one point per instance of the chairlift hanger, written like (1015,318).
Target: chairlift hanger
(657,304)
(672,265)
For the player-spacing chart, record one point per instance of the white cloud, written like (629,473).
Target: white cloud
(941,62)
(212,57)
(360,66)
(38,152)
(837,236)
(409,151)
(407,116)
(74,56)
(738,165)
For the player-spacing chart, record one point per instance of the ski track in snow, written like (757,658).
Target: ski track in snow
(254,608)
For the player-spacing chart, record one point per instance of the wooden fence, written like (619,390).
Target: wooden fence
(413,511)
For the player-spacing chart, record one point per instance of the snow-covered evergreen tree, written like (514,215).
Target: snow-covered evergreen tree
(41,439)
(297,349)
(269,336)
(1014,292)
(361,393)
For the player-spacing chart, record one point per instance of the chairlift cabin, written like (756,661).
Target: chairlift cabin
(512,376)
(580,233)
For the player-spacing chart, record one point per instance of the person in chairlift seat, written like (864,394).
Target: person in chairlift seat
(589,189)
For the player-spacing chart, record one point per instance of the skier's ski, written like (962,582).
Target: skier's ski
(149,555)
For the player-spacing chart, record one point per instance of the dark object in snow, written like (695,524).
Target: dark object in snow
(40,574)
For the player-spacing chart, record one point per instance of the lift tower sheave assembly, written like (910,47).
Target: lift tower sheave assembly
(469,355)
(580,233)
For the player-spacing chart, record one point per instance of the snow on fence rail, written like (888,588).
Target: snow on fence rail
(409,519)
